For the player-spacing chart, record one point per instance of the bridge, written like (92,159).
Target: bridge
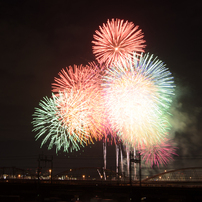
(189,176)
(182,174)
(183,184)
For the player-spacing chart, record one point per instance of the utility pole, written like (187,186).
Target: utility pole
(140,168)
(38,170)
(134,160)
(45,159)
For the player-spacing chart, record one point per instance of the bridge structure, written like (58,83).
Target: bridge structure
(188,175)
(183,184)
(175,177)
(182,174)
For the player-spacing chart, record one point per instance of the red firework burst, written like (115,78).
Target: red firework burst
(116,41)
(79,99)
(77,77)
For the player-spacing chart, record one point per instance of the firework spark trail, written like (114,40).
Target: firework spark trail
(116,41)
(159,154)
(48,122)
(138,95)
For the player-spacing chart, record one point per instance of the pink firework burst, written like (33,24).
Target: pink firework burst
(116,41)
(159,154)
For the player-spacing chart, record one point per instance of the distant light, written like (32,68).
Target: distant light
(70,169)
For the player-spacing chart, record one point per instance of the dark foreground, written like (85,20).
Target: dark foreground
(98,192)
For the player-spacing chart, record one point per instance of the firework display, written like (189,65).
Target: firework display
(116,41)
(137,96)
(125,98)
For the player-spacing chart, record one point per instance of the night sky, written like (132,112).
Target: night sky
(39,38)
